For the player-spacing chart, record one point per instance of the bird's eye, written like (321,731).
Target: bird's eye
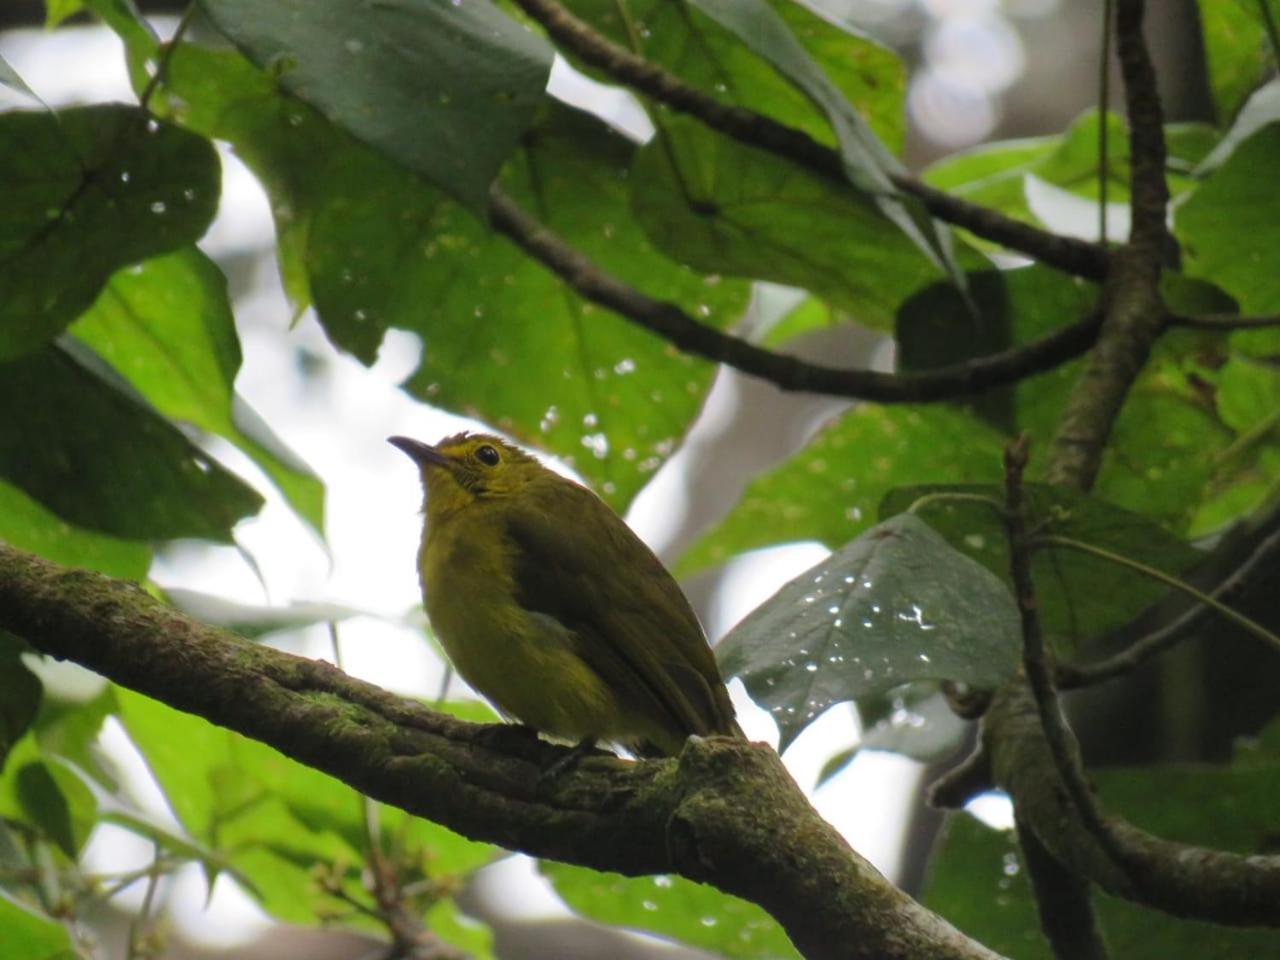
(487,455)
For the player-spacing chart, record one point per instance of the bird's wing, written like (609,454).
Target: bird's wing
(635,626)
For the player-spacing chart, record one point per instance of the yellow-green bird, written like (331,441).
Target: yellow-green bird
(552,608)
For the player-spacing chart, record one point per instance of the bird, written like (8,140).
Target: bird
(553,609)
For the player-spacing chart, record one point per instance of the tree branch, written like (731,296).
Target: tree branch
(1134,313)
(1073,256)
(1062,902)
(1226,322)
(1181,879)
(672,324)
(726,813)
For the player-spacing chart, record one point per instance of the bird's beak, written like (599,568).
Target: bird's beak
(423,454)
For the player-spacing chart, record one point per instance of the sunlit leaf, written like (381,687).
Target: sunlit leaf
(27,524)
(672,907)
(1236,50)
(446,89)
(29,936)
(166,326)
(89,190)
(893,606)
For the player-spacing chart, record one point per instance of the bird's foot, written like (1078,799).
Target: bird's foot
(567,761)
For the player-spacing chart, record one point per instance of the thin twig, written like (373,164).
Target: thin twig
(1036,658)
(1158,641)
(672,324)
(1239,619)
(138,924)
(757,130)
(1226,321)
(162,65)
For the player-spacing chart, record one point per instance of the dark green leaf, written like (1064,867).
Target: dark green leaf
(20,692)
(96,455)
(89,190)
(166,326)
(727,208)
(707,55)
(893,606)
(26,524)
(1230,227)
(830,490)
(918,724)
(1080,597)
(56,801)
(27,935)
(672,907)
(445,89)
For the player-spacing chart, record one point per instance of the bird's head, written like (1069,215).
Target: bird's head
(466,467)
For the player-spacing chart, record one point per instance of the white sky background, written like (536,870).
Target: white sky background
(338,425)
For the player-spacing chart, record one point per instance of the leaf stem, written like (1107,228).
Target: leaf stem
(1239,619)
(1104,100)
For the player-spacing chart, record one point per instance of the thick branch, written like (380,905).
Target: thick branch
(1062,902)
(1181,879)
(756,130)
(672,324)
(726,813)
(1135,315)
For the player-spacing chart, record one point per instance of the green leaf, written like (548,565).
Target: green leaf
(705,54)
(26,524)
(378,247)
(444,89)
(271,818)
(451,925)
(1230,227)
(895,605)
(30,936)
(978,883)
(1236,49)
(1079,597)
(71,421)
(830,490)
(505,339)
(55,800)
(20,692)
(1248,395)
(672,907)
(55,11)
(727,208)
(166,326)
(90,189)
(69,729)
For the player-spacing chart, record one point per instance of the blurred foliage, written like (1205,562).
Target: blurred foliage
(376,131)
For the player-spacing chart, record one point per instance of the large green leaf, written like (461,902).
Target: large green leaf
(1236,48)
(976,879)
(707,55)
(672,907)
(166,325)
(1230,227)
(728,208)
(894,606)
(57,802)
(830,490)
(89,190)
(1080,597)
(443,88)
(28,525)
(378,247)
(503,338)
(80,442)
(27,935)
